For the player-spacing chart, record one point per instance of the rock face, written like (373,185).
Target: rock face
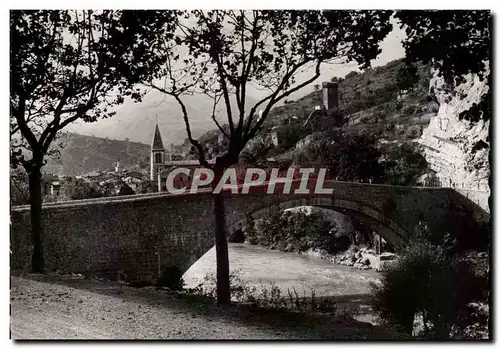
(458,150)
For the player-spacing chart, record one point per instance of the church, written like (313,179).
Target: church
(162,164)
(157,154)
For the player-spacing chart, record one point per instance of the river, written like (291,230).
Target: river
(287,270)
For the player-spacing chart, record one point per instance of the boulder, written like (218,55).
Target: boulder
(370,251)
(388,256)
(374,261)
(365,261)
(482,255)
(385,264)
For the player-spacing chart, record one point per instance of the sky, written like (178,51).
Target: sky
(392,49)
(126,123)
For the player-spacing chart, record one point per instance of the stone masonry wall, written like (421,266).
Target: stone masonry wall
(106,237)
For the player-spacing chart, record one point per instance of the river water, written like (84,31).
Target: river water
(287,270)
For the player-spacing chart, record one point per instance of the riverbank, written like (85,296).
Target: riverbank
(356,256)
(58,307)
(262,267)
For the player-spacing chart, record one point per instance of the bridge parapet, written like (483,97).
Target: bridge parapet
(109,235)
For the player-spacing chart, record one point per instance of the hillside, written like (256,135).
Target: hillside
(371,103)
(368,101)
(136,121)
(80,154)
(358,94)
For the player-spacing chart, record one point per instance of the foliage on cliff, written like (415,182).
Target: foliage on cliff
(455,43)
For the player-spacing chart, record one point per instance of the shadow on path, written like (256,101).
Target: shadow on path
(294,324)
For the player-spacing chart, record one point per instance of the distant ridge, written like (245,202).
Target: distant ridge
(81,154)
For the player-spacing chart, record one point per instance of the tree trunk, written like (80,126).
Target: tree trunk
(222,255)
(35,188)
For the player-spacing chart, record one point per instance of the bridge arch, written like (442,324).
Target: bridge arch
(391,231)
(141,233)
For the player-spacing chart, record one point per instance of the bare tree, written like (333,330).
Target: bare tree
(224,54)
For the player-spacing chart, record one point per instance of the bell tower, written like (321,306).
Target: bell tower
(157,154)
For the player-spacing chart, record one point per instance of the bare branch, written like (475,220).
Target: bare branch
(199,147)
(275,99)
(216,99)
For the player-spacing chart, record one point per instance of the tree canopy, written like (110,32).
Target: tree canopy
(67,66)
(222,53)
(455,43)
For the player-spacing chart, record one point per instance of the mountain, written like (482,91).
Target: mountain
(370,99)
(80,154)
(136,121)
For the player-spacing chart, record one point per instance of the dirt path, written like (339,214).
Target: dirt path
(83,309)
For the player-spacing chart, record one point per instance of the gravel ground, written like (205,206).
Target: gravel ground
(49,307)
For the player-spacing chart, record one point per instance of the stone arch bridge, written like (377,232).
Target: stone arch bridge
(139,235)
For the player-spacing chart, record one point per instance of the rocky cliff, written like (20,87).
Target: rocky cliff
(458,150)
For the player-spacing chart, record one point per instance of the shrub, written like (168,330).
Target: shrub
(351,75)
(353,158)
(125,190)
(407,77)
(389,128)
(404,165)
(410,110)
(240,290)
(269,296)
(431,282)
(289,135)
(249,230)
(398,105)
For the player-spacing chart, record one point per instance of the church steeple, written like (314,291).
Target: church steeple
(157,143)
(157,154)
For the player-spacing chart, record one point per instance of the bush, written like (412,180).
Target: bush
(249,230)
(353,158)
(351,75)
(430,282)
(125,190)
(404,165)
(410,110)
(407,77)
(289,135)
